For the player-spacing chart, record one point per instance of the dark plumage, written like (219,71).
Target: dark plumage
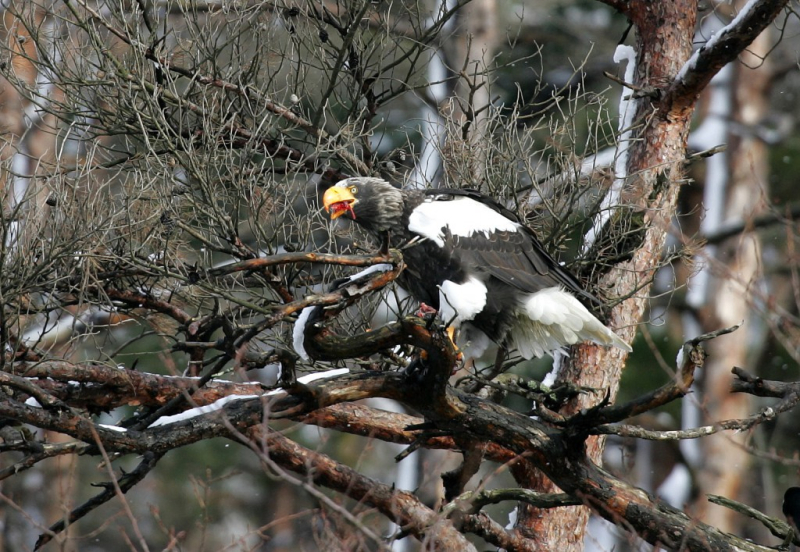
(474,261)
(791,507)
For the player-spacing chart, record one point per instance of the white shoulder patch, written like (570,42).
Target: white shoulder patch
(463,216)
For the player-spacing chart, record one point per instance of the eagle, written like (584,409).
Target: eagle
(475,262)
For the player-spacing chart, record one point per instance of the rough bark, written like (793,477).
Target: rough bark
(450,410)
(402,507)
(663,44)
(563,453)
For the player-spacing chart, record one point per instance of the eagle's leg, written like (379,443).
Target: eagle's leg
(428,313)
(451,333)
(385,243)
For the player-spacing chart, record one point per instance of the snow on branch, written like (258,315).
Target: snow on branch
(722,48)
(220,404)
(627,108)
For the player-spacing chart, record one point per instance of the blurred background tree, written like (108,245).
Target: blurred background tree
(154,153)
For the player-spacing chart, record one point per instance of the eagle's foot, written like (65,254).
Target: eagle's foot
(425,311)
(451,333)
(428,314)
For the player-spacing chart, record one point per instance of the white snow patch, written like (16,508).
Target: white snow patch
(218,405)
(558,358)
(679,358)
(323,375)
(627,109)
(298,332)
(463,216)
(715,37)
(677,487)
(311,377)
(33,402)
(381,267)
(113,428)
(200,410)
(512,519)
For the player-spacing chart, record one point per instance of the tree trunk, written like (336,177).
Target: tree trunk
(665,31)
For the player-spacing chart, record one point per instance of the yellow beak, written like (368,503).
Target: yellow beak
(338,201)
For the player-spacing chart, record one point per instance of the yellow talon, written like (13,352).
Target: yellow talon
(451,333)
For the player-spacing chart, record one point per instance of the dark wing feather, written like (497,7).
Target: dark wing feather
(517,259)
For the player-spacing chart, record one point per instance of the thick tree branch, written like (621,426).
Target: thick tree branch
(690,358)
(744,424)
(472,502)
(99,387)
(254,265)
(746,382)
(448,410)
(485,527)
(457,412)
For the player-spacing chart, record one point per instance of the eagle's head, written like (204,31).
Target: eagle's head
(372,202)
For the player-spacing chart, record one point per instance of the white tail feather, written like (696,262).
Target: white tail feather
(553,318)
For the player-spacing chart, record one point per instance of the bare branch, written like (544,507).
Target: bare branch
(400,506)
(125,483)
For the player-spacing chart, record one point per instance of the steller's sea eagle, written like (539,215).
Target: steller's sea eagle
(473,260)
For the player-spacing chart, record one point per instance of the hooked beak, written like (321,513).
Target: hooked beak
(338,201)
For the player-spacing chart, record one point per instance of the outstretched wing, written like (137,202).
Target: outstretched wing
(488,238)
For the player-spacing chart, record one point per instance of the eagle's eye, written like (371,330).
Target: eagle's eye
(354,190)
